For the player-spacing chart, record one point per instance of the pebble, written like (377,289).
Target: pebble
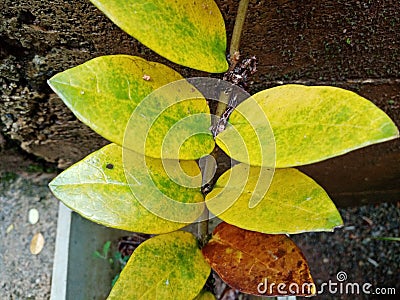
(10,228)
(33,216)
(373,262)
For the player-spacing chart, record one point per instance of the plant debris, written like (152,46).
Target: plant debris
(37,243)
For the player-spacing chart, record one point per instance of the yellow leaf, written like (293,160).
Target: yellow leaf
(294,203)
(97,189)
(205,295)
(110,94)
(10,228)
(309,124)
(190,33)
(172,122)
(168,266)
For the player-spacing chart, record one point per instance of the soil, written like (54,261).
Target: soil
(349,44)
(22,274)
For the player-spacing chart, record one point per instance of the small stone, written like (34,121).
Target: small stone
(373,262)
(325,260)
(33,216)
(10,228)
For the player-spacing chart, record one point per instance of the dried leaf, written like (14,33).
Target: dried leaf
(257,263)
(37,243)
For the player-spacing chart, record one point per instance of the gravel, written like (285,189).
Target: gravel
(22,274)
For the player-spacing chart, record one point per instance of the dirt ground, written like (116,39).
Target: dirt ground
(22,274)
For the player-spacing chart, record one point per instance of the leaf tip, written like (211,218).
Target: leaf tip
(222,67)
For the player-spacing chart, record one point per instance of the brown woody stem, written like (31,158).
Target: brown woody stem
(202,228)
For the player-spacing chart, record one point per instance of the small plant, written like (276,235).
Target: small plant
(148,179)
(104,254)
(393,239)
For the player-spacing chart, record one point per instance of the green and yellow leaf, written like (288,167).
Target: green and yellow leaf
(309,124)
(104,92)
(205,295)
(293,203)
(170,189)
(172,122)
(189,33)
(168,266)
(257,263)
(97,189)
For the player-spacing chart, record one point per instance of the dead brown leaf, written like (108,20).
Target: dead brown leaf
(257,263)
(37,243)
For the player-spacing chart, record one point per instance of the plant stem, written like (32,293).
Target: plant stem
(234,48)
(202,228)
(237,29)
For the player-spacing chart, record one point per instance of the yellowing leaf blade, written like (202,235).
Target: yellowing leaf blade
(105,92)
(205,295)
(97,189)
(294,203)
(190,33)
(168,266)
(309,124)
(257,263)
(172,122)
